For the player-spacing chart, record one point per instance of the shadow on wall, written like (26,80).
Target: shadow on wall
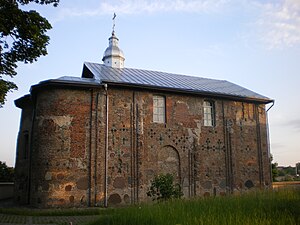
(6,190)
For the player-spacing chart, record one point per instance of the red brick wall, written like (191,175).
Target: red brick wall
(69,146)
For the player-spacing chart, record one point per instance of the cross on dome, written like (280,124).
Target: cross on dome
(113,55)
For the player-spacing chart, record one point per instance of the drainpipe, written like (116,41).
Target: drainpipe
(259,148)
(226,148)
(106,147)
(137,136)
(132,171)
(90,150)
(273,103)
(268,139)
(96,150)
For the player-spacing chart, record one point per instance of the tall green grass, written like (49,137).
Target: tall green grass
(270,207)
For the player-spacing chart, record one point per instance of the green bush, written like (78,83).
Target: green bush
(6,173)
(163,188)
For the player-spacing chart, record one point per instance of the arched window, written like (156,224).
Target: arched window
(209,113)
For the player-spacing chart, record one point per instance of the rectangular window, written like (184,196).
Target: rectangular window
(209,114)
(159,109)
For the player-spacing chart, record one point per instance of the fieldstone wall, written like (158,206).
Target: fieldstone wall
(60,153)
(22,167)
(69,146)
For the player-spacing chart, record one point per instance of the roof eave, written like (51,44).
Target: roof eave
(63,83)
(177,90)
(78,84)
(23,101)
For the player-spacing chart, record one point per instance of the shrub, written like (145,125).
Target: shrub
(6,173)
(163,188)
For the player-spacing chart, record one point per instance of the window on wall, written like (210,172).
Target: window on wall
(209,114)
(159,109)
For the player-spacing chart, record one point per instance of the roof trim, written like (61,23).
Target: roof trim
(21,102)
(59,82)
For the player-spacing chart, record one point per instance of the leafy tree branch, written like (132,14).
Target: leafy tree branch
(22,39)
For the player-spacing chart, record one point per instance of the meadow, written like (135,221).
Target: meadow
(263,208)
(278,206)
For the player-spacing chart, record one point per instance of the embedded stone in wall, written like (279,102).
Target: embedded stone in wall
(80,163)
(207,185)
(82,183)
(149,172)
(48,176)
(114,199)
(249,184)
(126,199)
(68,188)
(223,184)
(119,182)
(71,198)
(206,194)
(62,121)
(185,182)
(60,176)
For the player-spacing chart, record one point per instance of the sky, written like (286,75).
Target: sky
(252,43)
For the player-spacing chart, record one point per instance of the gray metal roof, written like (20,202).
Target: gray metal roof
(161,80)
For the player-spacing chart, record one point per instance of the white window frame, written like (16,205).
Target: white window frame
(208,113)
(159,109)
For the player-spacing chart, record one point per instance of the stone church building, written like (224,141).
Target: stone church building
(100,139)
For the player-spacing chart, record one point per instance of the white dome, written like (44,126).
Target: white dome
(113,51)
(113,55)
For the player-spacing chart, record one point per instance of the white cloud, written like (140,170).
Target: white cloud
(143,6)
(214,49)
(280,24)
(276,21)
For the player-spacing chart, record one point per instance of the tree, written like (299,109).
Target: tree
(163,188)
(275,171)
(22,39)
(6,173)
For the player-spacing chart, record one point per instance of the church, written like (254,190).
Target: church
(100,139)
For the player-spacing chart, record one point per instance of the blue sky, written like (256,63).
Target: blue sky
(253,43)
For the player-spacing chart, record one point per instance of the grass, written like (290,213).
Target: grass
(269,207)
(263,208)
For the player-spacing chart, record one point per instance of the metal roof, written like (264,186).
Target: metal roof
(161,80)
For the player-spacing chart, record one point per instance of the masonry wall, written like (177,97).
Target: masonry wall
(206,161)
(69,146)
(60,153)
(22,167)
